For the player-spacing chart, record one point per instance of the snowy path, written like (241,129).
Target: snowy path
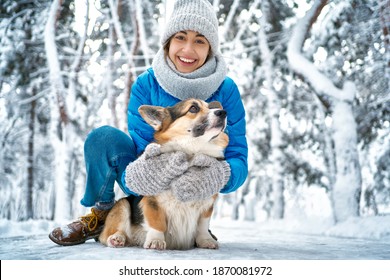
(244,241)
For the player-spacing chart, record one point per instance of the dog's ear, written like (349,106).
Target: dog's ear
(153,115)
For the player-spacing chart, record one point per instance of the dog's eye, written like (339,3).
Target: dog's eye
(193,109)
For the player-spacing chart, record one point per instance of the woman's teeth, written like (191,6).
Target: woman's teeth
(186,60)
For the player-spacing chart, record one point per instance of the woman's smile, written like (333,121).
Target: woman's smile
(187,60)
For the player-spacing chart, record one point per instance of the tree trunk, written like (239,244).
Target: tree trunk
(385,22)
(347,186)
(30,159)
(276,156)
(59,118)
(128,52)
(111,95)
(250,200)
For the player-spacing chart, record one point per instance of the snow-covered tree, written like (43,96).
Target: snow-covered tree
(23,83)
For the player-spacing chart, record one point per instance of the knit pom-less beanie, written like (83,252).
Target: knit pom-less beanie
(194,15)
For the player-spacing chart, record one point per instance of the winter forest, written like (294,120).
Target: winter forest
(314,76)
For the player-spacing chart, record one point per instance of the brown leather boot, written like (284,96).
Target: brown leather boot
(87,227)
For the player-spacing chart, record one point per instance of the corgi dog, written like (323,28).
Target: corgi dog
(162,221)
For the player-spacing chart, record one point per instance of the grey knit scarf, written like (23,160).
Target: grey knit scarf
(201,83)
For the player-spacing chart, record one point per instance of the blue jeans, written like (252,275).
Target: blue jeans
(107,152)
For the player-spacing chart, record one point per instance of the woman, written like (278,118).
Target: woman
(189,65)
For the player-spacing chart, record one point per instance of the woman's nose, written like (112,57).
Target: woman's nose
(188,47)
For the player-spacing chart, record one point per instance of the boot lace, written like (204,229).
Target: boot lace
(91,220)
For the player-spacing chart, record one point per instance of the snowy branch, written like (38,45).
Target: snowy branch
(33,98)
(140,32)
(22,12)
(300,64)
(230,17)
(118,29)
(244,26)
(83,38)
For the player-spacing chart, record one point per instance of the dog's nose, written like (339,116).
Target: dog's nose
(220,113)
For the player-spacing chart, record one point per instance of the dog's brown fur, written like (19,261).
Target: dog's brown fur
(192,126)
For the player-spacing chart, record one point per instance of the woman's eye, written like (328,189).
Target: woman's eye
(179,37)
(193,109)
(200,42)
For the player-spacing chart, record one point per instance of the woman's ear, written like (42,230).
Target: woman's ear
(210,54)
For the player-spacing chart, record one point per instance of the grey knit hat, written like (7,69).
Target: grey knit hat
(195,15)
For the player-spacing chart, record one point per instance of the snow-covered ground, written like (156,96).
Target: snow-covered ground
(356,239)
(304,250)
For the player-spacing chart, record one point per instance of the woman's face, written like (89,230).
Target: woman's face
(188,50)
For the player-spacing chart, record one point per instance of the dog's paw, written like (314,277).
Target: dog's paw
(208,243)
(117,240)
(156,244)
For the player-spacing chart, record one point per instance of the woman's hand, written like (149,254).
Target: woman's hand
(205,177)
(153,171)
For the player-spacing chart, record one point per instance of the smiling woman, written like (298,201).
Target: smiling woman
(187,65)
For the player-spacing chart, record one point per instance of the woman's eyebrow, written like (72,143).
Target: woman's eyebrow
(197,35)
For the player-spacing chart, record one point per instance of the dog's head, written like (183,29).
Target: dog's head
(192,126)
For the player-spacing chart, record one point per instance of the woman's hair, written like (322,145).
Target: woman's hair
(166,46)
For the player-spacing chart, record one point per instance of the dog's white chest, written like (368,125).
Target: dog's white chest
(182,219)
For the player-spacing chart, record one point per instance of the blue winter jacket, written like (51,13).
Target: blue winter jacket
(147,91)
